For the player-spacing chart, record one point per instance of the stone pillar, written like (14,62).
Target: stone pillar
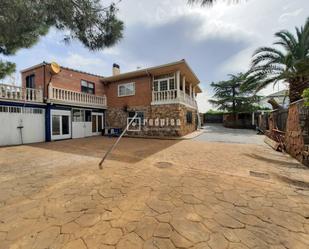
(194,92)
(190,90)
(178,83)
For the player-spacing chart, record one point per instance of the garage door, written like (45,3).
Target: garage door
(21,125)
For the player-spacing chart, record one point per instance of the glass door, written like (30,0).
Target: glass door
(60,124)
(97,123)
(94,124)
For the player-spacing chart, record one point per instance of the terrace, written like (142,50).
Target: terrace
(64,96)
(172,89)
(17,93)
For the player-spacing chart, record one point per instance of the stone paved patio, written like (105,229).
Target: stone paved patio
(152,194)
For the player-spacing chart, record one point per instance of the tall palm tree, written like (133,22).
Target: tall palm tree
(287,61)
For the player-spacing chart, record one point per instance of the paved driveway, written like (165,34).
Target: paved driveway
(218,133)
(151,194)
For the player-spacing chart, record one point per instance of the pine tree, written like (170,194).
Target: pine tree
(23,22)
(230,97)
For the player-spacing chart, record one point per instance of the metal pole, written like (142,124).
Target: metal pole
(117,141)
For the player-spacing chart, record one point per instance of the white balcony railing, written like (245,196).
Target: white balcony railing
(170,97)
(72,97)
(17,93)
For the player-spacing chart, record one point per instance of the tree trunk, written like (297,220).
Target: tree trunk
(274,104)
(297,87)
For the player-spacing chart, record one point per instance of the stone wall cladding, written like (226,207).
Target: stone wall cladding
(294,136)
(117,117)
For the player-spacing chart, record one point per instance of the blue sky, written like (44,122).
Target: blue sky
(215,41)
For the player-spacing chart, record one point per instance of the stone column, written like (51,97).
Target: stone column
(190,90)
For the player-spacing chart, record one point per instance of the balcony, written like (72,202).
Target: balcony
(21,94)
(170,97)
(68,97)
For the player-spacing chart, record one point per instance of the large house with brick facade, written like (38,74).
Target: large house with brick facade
(75,104)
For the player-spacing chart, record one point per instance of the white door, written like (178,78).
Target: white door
(21,125)
(97,123)
(60,124)
(81,125)
(78,129)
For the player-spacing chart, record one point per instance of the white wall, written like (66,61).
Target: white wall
(33,131)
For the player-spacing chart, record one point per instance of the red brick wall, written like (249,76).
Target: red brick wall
(142,95)
(71,80)
(39,76)
(67,79)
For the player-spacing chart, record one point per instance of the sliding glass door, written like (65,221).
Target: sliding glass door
(60,124)
(97,123)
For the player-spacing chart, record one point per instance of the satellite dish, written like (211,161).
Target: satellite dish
(54,68)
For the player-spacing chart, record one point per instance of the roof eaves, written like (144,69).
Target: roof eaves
(67,68)
(146,71)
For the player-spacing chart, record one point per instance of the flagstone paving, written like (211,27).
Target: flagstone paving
(151,194)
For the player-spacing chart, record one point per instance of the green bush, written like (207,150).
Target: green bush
(305,95)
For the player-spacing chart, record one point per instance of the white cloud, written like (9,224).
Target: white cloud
(92,64)
(240,62)
(216,41)
(286,16)
(202,100)
(77,61)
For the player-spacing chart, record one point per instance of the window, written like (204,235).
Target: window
(4,109)
(60,125)
(87,116)
(172,84)
(65,125)
(155,86)
(100,123)
(15,109)
(189,117)
(25,110)
(163,85)
(164,82)
(87,87)
(30,81)
(56,125)
(139,115)
(127,89)
(94,123)
(37,111)
(78,115)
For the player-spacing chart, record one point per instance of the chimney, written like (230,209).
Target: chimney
(116,69)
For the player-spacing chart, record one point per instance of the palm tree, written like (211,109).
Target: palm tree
(287,62)
(230,97)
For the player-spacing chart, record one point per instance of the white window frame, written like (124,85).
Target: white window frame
(60,113)
(126,93)
(164,79)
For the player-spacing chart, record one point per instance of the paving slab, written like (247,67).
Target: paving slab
(152,194)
